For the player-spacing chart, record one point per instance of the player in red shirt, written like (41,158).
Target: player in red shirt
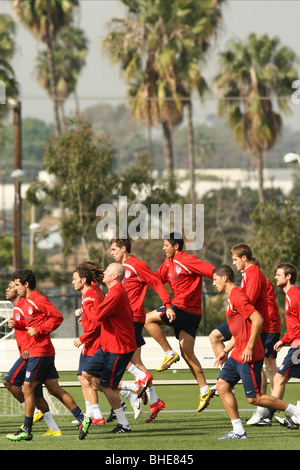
(14,379)
(184,274)
(247,354)
(286,276)
(40,319)
(138,276)
(106,368)
(92,297)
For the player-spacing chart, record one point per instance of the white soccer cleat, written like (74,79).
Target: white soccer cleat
(137,407)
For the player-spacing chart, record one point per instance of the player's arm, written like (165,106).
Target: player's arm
(53,318)
(222,358)
(256,325)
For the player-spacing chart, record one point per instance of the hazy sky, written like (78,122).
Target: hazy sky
(99,81)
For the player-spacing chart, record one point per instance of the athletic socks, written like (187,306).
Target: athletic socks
(49,420)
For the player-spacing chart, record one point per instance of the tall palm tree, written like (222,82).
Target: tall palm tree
(254,74)
(69,53)
(7,50)
(44,18)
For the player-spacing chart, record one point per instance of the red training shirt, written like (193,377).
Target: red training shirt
(138,276)
(239,309)
(21,335)
(292,317)
(184,274)
(90,303)
(274,317)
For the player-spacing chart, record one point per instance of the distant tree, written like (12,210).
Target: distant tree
(69,50)
(6,250)
(253,74)
(44,18)
(7,50)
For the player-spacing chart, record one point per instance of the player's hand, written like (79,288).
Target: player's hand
(171,315)
(247,355)
(221,359)
(11,322)
(278,345)
(30,331)
(77,342)
(25,354)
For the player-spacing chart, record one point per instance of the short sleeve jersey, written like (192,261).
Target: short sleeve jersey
(292,317)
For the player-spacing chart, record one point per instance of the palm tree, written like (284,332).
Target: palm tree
(252,75)
(7,50)
(69,52)
(44,18)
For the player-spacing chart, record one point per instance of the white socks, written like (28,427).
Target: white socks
(122,418)
(49,420)
(237,426)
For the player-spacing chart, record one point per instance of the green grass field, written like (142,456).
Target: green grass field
(177,428)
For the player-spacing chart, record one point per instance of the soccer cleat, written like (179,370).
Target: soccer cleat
(50,432)
(287,422)
(256,418)
(204,400)
(112,415)
(37,417)
(137,407)
(20,435)
(145,399)
(167,362)
(264,422)
(98,422)
(84,427)
(120,429)
(154,410)
(233,435)
(143,384)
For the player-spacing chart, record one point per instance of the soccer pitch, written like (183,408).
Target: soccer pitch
(178,429)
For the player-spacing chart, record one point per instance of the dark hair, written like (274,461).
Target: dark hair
(224,270)
(97,271)
(241,249)
(122,242)
(83,271)
(289,268)
(173,238)
(25,275)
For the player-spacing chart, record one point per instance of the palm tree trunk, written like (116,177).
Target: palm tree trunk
(260,170)
(53,89)
(191,160)
(168,149)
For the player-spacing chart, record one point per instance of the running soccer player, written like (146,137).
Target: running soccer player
(92,297)
(40,319)
(247,354)
(286,276)
(138,276)
(184,273)
(14,379)
(105,369)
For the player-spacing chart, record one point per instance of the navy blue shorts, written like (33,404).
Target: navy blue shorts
(291,364)
(109,367)
(16,376)
(248,373)
(271,339)
(225,331)
(40,369)
(138,328)
(186,321)
(83,359)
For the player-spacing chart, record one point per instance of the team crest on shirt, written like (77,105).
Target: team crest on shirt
(178,269)
(30,310)
(18,317)
(127,273)
(28,374)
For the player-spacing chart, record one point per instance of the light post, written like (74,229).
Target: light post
(17,175)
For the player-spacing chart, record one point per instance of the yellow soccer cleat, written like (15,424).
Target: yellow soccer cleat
(50,432)
(167,362)
(204,400)
(37,417)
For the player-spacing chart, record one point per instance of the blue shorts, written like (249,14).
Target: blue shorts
(109,367)
(186,321)
(248,373)
(40,369)
(225,331)
(16,376)
(291,364)
(271,339)
(83,359)
(138,328)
